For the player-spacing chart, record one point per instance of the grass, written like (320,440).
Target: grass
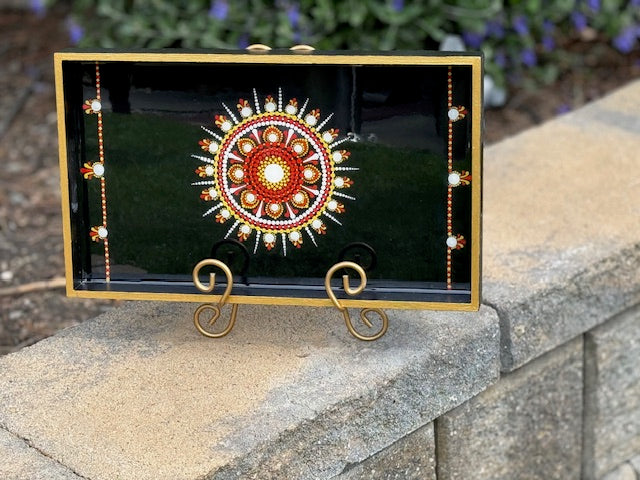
(155,215)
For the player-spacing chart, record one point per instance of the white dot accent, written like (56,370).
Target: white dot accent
(269,238)
(453,114)
(316,224)
(272,137)
(209,170)
(452,242)
(247,147)
(274,173)
(454,178)
(98,169)
(308,173)
(246,229)
(238,174)
(96,106)
(298,198)
(246,112)
(339,182)
(103,232)
(311,120)
(290,109)
(327,137)
(298,148)
(332,205)
(225,213)
(294,236)
(251,197)
(270,107)
(274,207)
(337,157)
(213,193)
(226,126)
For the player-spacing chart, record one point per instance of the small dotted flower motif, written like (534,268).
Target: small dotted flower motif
(312,117)
(243,232)
(98,233)
(92,170)
(457,113)
(270,104)
(340,156)
(269,240)
(244,108)
(456,242)
(223,123)
(319,227)
(296,239)
(208,145)
(204,171)
(459,178)
(330,135)
(92,106)
(209,195)
(223,216)
(343,182)
(334,206)
(292,107)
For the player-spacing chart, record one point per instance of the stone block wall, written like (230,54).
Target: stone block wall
(542,383)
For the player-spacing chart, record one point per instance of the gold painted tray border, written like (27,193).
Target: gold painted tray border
(475,62)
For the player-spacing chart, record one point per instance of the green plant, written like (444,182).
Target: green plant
(520,38)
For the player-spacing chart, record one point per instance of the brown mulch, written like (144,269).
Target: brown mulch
(30,224)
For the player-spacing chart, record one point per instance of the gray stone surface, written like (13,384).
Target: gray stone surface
(138,393)
(527,426)
(623,472)
(410,458)
(612,394)
(18,461)
(561,229)
(635,462)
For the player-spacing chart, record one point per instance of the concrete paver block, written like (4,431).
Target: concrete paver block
(561,243)
(612,394)
(138,393)
(18,461)
(528,425)
(410,458)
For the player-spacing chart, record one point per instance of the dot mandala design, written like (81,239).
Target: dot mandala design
(274,171)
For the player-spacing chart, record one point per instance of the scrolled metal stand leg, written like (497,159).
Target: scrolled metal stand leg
(205,328)
(355,291)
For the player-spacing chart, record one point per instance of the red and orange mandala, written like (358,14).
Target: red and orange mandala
(274,171)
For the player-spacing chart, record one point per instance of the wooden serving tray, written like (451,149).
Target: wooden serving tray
(279,165)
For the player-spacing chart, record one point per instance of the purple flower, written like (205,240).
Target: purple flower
(243,41)
(293,12)
(548,43)
(563,108)
(495,29)
(594,5)
(520,25)
(528,57)
(38,8)
(635,3)
(76,32)
(473,39)
(219,9)
(548,26)
(625,40)
(397,5)
(579,20)
(500,59)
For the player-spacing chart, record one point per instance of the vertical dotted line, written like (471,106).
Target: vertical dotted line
(103,189)
(449,170)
